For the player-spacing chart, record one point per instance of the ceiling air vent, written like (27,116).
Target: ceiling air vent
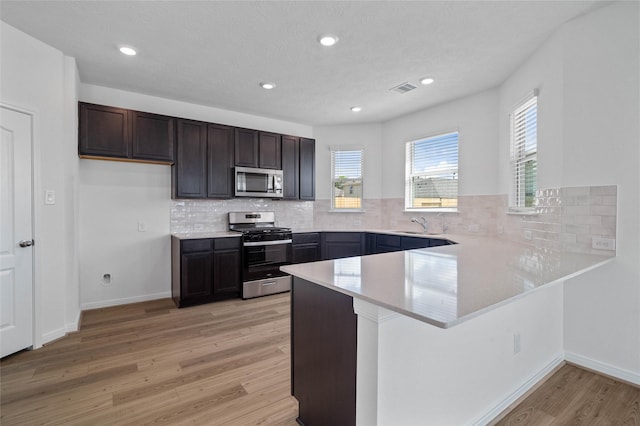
(403,88)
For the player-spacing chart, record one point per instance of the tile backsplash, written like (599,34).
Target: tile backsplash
(212,215)
(565,219)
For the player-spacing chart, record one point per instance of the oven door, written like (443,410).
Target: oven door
(263,259)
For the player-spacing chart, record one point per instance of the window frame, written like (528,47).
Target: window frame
(346,148)
(518,157)
(408,175)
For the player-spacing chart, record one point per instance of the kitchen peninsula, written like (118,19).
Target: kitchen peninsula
(444,335)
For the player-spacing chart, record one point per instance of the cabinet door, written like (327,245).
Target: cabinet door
(152,136)
(301,253)
(409,243)
(190,169)
(290,167)
(270,151)
(388,243)
(227,269)
(324,336)
(219,161)
(103,131)
(197,277)
(246,148)
(336,245)
(307,169)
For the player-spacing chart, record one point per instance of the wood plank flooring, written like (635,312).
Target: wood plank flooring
(224,363)
(574,396)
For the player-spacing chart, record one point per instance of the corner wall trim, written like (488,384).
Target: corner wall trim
(124,301)
(519,392)
(603,368)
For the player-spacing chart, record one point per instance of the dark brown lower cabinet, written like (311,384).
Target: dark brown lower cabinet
(205,270)
(323,355)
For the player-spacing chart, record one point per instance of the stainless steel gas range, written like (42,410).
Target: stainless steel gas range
(266,247)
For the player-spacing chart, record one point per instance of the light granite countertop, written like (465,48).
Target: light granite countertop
(447,285)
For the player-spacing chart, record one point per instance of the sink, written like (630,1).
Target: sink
(415,232)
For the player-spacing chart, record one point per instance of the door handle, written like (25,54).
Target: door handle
(26,243)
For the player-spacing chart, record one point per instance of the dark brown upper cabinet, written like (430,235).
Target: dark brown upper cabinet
(307,180)
(257,149)
(204,160)
(270,151)
(291,167)
(120,134)
(189,173)
(246,147)
(220,151)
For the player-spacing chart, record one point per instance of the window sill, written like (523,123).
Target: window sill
(346,211)
(522,212)
(432,210)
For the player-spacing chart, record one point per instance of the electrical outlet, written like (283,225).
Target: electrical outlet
(49,196)
(357,222)
(106,280)
(474,228)
(198,227)
(528,235)
(516,343)
(600,243)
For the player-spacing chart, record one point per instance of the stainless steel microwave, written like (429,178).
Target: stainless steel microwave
(253,182)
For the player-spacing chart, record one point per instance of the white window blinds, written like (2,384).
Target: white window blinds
(524,149)
(432,172)
(346,175)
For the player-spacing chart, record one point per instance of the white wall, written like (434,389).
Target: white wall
(430,376)
(40,79)
(601,144)
(367,136)
(588,134)
(474,117)
(115,196)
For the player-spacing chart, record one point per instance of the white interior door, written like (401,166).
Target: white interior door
(16,230)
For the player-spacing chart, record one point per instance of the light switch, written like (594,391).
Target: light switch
(49,196)
(142,226)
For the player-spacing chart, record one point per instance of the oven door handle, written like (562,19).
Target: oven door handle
(266,243)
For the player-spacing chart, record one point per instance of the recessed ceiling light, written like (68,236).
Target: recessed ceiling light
(426,80)
(327,40)
(267,85)
(356,109)
(129,51)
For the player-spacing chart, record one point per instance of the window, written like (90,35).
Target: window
(524,149)
(346,179)
(432,173)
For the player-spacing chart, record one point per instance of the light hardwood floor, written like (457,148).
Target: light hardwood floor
(224,363)
(574,396)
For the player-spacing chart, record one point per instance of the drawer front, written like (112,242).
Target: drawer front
(227,243)
(190,246)
(306,238)
(342,237)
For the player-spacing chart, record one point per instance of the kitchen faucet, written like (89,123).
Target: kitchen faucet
(445,227)
(422,222)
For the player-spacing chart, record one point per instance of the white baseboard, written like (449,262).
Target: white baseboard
(603,368)
(124,301)
(52,335)
(515,395)
(72,326)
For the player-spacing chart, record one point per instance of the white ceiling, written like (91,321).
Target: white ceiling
(217,52)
